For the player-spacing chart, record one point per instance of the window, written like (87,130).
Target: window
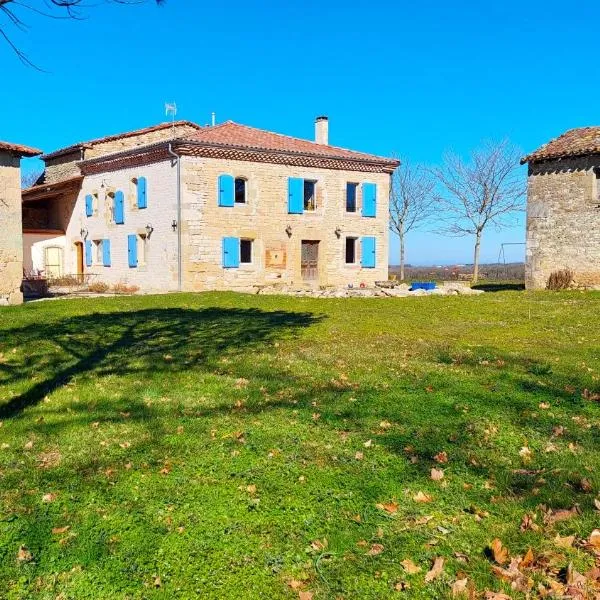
(245,251)
(350,250)
(310,195)
(97,252)
(139,185)
(596,196)
(53,262)
(240,191)
(351,189)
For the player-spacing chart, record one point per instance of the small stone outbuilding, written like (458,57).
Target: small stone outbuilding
(563,209)
(11,238)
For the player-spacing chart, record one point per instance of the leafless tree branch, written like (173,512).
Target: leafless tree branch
(411,202)
(488,189)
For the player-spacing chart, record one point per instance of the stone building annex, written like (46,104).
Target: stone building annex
(563,209)
(183,207)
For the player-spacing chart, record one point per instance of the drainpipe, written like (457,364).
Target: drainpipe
(178,159)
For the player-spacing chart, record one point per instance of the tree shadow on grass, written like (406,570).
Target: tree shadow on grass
(138,343)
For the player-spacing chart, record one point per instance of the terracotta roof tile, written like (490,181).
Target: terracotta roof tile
(575,142)
(110,138)
(19,149)
(242,136)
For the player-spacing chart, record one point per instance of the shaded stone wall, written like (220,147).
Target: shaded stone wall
(11,236)
(563,221)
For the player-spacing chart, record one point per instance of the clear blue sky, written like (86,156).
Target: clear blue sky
(411,78)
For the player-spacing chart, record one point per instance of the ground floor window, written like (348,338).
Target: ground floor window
(351,250)
(141,249)
(53,262)
(245,251)
(97,252)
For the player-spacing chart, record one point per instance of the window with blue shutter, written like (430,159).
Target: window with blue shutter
(132,250)
(106,253)
(226,190)
(142,200)
(369,193)
(295,196)
(367,252)
(231,252)
(119,208)
(89,205)
(88,253)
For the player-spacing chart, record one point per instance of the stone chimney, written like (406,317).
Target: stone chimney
(322,130)
(11,240)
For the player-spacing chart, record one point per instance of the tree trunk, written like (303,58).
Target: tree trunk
(401,236)
(476,257)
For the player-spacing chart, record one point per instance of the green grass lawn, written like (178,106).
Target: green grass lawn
(234,446)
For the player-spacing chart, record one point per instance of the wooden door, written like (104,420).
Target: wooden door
(309,263)
(53,262)
(79,250)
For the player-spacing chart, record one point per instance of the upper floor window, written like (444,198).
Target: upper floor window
(240,190)
(351,189)
(310,195)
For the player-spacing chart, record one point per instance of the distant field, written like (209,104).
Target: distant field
(236,446)
(514,272)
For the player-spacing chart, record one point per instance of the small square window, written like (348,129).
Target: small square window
(350,250)
(310,195)
(245,251)
(351,189)
(240,191)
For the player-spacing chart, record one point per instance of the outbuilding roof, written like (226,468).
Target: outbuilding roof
(19,149)
(118,136)
(575,142)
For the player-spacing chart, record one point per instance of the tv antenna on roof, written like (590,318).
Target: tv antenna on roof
(171,109)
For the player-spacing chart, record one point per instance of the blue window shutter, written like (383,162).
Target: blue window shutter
(369,207)
(89,205)
(119,208)
(368,252)
(106,253)
(295,196)
(231,252)
(132,250)
(226,193)
(88,253)
(142,200)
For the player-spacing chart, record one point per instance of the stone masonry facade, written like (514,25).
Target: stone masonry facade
(263,219)
(11,247)
(563,220)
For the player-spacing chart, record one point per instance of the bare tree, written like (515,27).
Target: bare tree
(411,202)
(488,189)
(12,11)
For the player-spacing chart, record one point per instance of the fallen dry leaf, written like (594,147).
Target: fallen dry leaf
(410,567)
(251,489)
(295,584)
(375,549)
(525,453)
(359,456)
(553,516)
(594,539)
(459,588)
(436,570)
(23,555)
(28,445)
(597,503)
(305,595)
(318,544)
(527,560)
(51,497)
(60,530)
(441,457)
(421,497)
(368,443)
(499,552)
(390,507)
(385,424)
(496,596)
(564,542)
(437,474)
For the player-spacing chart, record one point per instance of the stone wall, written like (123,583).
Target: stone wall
(11,245)
(64,166)
(276,256)
(563,221)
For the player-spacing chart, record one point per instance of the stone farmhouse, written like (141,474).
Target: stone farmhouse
(183,207)
(563,208)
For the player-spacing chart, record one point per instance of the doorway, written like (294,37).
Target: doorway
(309,262)
(79,264)
(53,262)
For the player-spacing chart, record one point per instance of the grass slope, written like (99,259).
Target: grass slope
(232,446)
